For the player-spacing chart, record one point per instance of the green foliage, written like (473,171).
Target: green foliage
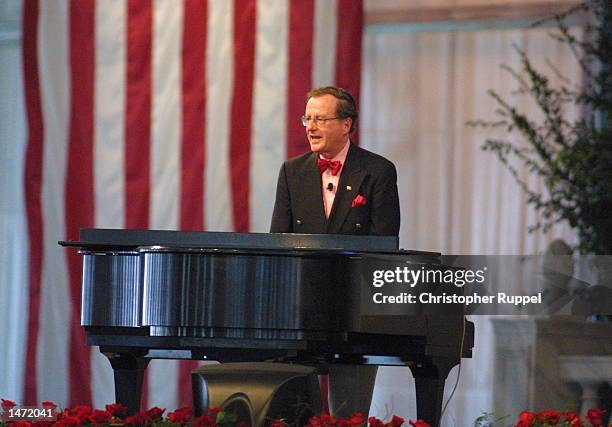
(573,158)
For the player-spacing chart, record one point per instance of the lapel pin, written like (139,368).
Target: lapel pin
(349,188)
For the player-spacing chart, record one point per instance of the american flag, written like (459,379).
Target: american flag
(163,114)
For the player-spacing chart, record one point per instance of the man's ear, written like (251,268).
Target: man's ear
(348,122)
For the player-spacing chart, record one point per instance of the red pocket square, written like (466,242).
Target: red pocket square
(358,201)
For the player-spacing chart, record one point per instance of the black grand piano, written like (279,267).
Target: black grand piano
(237,297)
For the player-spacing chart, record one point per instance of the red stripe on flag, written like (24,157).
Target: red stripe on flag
(79,206)
(138,123)
(193,151)
(33,185)
(138,113)
(194,111)
(241,110)
(301,30)
(348,48)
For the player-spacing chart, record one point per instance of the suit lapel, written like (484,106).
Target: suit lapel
(312,198)
(351,176)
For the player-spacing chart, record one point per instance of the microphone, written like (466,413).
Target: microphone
(330,186)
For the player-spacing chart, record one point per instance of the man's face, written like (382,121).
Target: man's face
(329,138)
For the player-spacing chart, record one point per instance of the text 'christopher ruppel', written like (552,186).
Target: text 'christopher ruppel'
(430,298)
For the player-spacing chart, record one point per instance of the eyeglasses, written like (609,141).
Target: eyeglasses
(316,120)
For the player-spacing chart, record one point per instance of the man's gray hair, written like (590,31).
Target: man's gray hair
(346,106)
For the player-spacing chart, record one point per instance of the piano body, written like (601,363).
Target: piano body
(252,297)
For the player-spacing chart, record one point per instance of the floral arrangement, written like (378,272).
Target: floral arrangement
(117,415)
(548,418)
(326,420)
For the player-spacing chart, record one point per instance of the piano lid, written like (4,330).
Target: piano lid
(118,238)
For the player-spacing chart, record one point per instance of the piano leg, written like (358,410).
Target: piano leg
(429,380)
(128,369)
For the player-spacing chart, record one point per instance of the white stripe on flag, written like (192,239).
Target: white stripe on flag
(53,332)
(165,160)
(269,134)
(14,289)
(102,379)
(109,151)
(166,114)
(163,382)
(219,83)
(109,114)
(324,43)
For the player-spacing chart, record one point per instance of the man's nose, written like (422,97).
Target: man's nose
(311,125)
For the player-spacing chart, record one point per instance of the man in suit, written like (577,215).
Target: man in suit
(337,188)
(318,192)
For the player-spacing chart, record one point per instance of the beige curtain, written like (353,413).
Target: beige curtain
(418,90)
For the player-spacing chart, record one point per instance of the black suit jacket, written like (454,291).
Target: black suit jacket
(299,202)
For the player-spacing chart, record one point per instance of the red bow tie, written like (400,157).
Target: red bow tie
(335,166)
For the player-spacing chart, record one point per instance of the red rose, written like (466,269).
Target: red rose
(214,411)
(8,404)
(204,421)
(358,201)
(155,413)
(21,424)
(278,423)
(576,422)
(81,412)
(550,417)
(397,421)
(594,416)
(314,422)
(42,423)
(569,415)
(49,405)
(419,423)
(375,422)
(526,418)
(243,424)
(117,410)
(100,417)
(68,421)
(327,419)
(356,419)
(180,416)
(137,420)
